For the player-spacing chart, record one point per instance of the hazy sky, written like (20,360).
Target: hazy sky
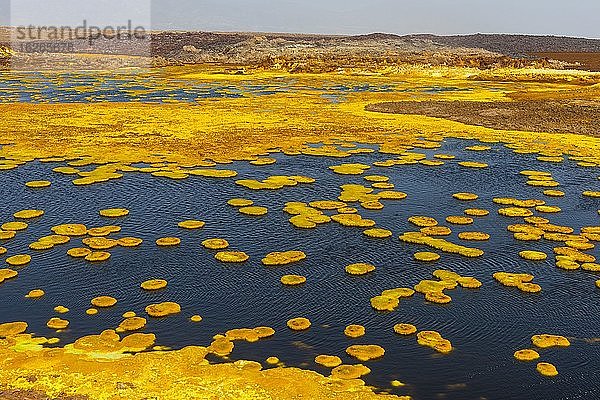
(558,17)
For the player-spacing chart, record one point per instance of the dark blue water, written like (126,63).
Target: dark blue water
(485,326)
(155,87)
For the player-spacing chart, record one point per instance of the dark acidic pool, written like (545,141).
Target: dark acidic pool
(485,326)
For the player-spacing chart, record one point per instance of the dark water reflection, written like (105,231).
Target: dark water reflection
(485,326)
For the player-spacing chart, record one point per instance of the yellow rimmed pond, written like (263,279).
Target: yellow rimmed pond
(173,166)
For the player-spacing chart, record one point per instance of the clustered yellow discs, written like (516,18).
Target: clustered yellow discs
(359,268)
(434,290)
(440,244)
(434,340)
(153,284)
(390,298)
(299,324)
(520,281)
(283,258)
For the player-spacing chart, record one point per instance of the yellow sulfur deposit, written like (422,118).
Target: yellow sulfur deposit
(38,184)
(163,309)
(365,352)
(298,324)
(215,243)
(384,303)
(103,301)
(253,210)
(293,280)
(283,258)
(426,256)
(154,284)
(434,340)
(35,293)
(526,355)
(114,212)
(547,340)
(97,256)
(546,369)
(168,241)
(232,256)
(354,331)
(28,214)
(378,233)
(57,323)
(18,260)
(191,224)
(328,360)
(359,268)
(405,329)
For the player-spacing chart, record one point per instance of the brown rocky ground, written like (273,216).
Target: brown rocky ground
(579,117)
(583,60)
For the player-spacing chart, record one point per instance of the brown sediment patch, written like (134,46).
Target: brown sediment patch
(589,61)
(554,116)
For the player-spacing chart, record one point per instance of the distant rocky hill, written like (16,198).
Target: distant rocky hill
(319,53)
(517,45)
(296,52)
